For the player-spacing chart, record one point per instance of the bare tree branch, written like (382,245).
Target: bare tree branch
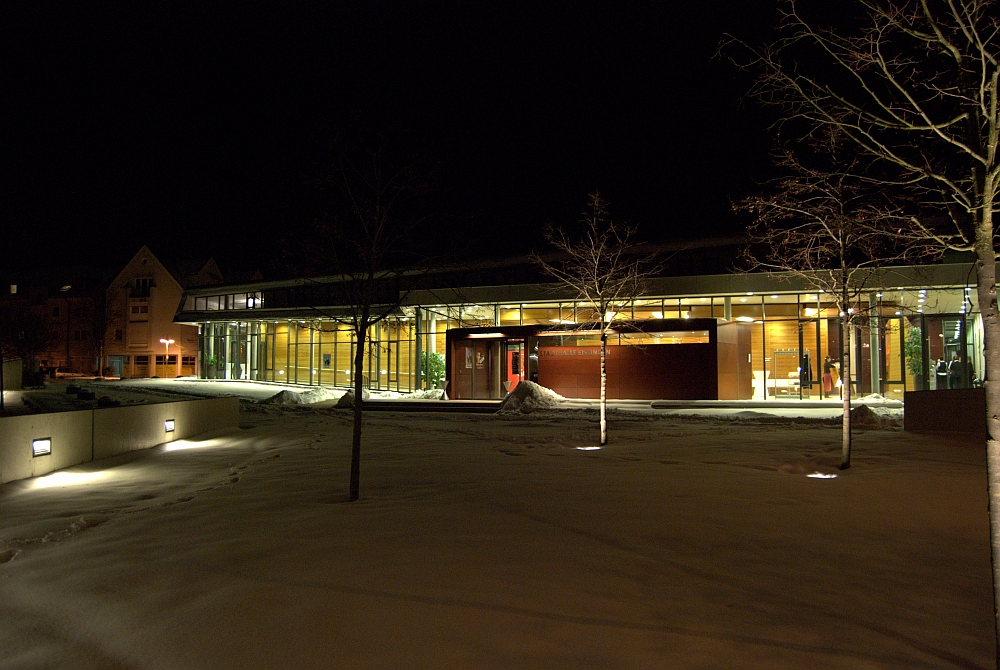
(601,269)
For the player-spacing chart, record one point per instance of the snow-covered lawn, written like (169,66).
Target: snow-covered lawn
(494,542)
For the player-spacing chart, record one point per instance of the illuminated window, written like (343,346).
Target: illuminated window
(667,337)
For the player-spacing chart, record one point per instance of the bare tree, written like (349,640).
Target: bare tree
(368,238)
(602,270)
(103,318)
(832,231)
(24,332)
(914,85)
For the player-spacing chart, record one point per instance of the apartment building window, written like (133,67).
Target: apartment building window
(141,287)
(119,335)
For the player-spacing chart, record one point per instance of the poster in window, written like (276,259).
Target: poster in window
(480,360)
(468,358)
(326,361)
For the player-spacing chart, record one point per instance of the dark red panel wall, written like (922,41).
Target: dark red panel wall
(648,372)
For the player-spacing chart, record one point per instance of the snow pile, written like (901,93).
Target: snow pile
(877,399)
(529,396)
(751,415)
(874,418)
(347,400)
(287,397)
(428,394)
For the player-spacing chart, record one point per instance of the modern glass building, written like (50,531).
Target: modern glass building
(923,332)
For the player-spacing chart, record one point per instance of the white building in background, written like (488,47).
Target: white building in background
(142,339)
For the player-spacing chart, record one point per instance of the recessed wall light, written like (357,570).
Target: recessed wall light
(41,446)
(168,425)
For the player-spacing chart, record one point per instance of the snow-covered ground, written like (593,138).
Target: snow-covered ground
(497,542)
(131,391)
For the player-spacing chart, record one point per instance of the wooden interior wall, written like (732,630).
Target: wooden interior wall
(781,335)
(281,353)
(735,376)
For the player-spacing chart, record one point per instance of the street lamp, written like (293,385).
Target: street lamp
(167,347)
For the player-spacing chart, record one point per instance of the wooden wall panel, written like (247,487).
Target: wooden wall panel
(650,372)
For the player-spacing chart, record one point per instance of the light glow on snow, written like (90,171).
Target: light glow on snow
(820,475)
(57,479)
(588,448)
(179,445)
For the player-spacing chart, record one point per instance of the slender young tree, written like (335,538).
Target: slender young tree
(600,267)
(832,231)
(368,239)
(914,85)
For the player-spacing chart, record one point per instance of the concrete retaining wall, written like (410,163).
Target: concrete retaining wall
(121,429)
(946,410)
(12,374)
(71,434)
(78,437)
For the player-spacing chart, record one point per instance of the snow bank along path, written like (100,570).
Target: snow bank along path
(494,542)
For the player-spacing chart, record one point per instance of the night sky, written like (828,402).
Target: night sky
(197,128)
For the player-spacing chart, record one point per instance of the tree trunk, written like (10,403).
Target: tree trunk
(987,292)
(604,389)
(359,368)
(845,379)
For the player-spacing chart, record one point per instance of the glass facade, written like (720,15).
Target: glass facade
(911,339)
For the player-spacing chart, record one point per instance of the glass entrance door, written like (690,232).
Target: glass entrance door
(515,365)
(949,353)
(892,332)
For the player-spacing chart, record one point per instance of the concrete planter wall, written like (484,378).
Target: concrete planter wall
(86,435)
